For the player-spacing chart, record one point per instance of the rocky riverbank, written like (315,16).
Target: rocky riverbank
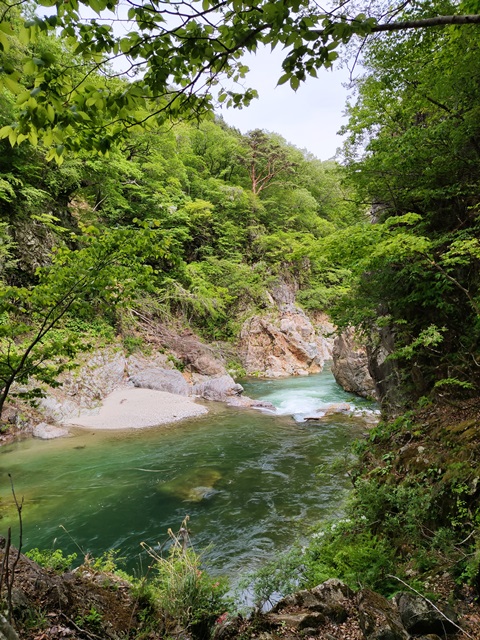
(281,342)
(95,602)
(333,611)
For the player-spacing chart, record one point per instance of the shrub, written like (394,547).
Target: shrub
(184,593)
(52,559)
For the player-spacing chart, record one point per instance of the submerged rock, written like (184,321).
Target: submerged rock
(193,487)
(338,407)
(250,403)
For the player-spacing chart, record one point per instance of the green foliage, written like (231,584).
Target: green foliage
(412,151)
(186,594)
(132,344)
(359,558)
(106,563)
(174,64)
(92,619)
(183,592)
(52,559)
(98,276)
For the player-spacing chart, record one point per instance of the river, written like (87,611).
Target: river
(247,479)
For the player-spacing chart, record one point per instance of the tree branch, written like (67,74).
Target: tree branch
(437,21)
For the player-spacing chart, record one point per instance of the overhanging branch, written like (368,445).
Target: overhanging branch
(437,21)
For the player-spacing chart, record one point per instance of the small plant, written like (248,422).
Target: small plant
(91,620)
(52,559)
(178,364)
(107,563)
(132,344)
(184,593)
(33,619)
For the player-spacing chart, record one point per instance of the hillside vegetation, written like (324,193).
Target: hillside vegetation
(192,222)
(189,221)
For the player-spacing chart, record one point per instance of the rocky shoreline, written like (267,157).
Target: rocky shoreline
(178,368)
(329,611)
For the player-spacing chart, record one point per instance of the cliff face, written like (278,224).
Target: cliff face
(385,371)
(351,365)
(285,342)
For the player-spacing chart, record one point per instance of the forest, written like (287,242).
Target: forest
(124,199)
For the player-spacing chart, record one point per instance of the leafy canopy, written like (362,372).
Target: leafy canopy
(182,57)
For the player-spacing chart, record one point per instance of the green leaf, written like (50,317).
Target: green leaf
(5,131)
(125,45)
(33,138)
(283,79)
(50,112)
(12,85)
(29,67)
(4,41)
(294,82)
(6,27)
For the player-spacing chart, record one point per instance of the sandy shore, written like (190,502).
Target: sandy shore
(132,408)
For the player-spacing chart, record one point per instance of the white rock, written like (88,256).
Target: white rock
(48,431)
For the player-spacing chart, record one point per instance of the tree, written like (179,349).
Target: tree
(35,340)
(413,151)
(266,160)
(180,55)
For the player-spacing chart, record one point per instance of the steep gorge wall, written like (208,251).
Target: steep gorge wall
(285,341)
(351,365)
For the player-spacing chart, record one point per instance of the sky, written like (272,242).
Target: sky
(308,118)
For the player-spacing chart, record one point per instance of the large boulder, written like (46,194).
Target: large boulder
(46,431)
(161,380)
(420,617)
(379,619)
(220,388)
(194,355)
(250,403)
(350,365)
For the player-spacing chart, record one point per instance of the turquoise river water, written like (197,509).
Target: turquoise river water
(247,479)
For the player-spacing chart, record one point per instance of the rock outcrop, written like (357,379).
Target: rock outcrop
(379,619)
(203,374)
(284,343)
(218,388)
(98,375)
(419,617)
(46,431)
(385,370)
(332,611)
(350,366)
(156,373)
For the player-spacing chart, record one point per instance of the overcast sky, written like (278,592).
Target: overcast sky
(309,118)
